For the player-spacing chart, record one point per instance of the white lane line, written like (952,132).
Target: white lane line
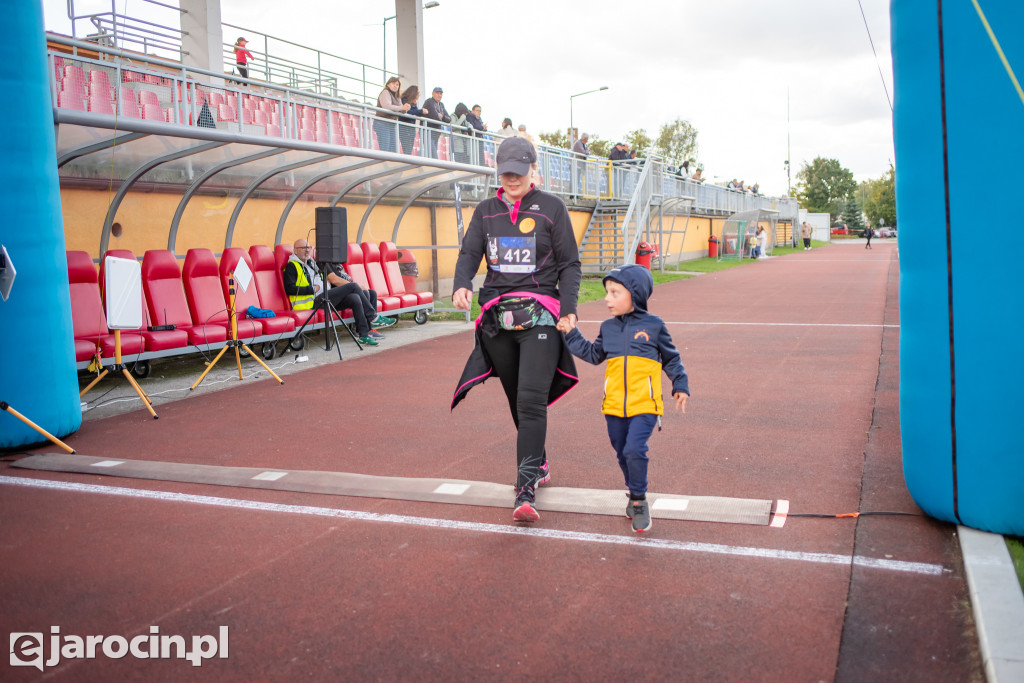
(107,463)
(479,527)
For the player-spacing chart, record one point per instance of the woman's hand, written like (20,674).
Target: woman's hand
(567,323)
(462,298)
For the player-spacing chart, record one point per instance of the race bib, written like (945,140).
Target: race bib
(512,254)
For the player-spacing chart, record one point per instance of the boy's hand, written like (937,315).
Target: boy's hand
(566,323)
(680,398)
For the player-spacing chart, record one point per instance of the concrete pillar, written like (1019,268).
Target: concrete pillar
(409,15)
(204,39)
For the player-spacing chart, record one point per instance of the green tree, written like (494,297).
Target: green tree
(557,139)
(677,141)
(639,140)
(823,185)
(880,200)
(853,216)
(599,147)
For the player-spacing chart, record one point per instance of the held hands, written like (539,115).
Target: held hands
(680,398)
(462,298)
(567,323)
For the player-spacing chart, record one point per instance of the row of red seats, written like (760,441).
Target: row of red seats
(194,297)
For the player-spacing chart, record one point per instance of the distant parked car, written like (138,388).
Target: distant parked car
(840,230)
(885,232)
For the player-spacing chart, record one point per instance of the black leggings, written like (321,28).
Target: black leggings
(362,302)
(525,362)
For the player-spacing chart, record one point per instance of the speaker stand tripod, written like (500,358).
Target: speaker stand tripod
(118,366)
(329,312)
(234,343)
(6,407)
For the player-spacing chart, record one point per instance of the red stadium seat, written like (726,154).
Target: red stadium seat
(206,301)
(70,100)
(156,340)
(397,284)
(129,103)
(88,319)
(148,97)
(165,294)
(153,112)
(378,283)
(354,267)
(250,296)
(99,103)
(271,285)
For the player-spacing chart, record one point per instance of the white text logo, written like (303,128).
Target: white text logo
(27,648)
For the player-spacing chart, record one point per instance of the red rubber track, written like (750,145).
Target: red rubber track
(805,411)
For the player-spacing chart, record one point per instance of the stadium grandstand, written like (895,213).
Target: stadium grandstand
(166,154)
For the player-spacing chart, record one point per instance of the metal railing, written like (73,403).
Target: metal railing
(293,113)
(117,30)
(299,66)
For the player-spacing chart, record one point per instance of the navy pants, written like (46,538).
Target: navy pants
(525,362)
(629,436)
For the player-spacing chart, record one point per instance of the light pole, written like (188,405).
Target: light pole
(429,5)
(572,131)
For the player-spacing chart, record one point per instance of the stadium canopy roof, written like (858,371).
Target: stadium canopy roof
(132,154)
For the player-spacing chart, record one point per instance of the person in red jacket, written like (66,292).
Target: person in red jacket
(525,239)
(242,57)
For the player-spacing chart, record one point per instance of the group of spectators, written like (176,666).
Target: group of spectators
(733,184)
(402,110)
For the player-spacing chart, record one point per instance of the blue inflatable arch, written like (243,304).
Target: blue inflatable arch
(959,133)
(37,369)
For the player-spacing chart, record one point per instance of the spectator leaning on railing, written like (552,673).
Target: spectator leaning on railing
(618,152)
(407,128)
(461,128)
(580,146)
(385,124)
(435,113)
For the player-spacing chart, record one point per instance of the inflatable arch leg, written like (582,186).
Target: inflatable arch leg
(959,133)
(37,366)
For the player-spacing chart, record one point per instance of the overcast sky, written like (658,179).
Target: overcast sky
(724,65)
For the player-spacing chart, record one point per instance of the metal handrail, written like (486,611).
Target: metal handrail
(323,75)
(561,170)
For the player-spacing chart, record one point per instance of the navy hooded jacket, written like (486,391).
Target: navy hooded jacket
(637,347)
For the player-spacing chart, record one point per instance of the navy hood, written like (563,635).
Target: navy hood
(637,280)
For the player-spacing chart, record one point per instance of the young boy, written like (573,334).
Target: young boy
(638,347)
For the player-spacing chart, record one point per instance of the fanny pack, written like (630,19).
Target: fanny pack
(519,313)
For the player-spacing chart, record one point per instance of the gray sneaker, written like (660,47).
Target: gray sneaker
(640,513)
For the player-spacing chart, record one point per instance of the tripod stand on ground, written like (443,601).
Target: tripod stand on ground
(234,343)
(330,321)
(118,366)
(6,407)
